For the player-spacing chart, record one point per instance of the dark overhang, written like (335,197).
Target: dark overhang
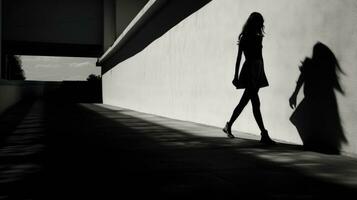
(156,18)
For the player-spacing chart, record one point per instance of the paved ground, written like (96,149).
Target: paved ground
(79,151)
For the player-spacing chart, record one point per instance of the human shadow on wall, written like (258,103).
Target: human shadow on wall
(317,118)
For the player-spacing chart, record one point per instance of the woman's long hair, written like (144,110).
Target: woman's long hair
(328,64)
(253,26)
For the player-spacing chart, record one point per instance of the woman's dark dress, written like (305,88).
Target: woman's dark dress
(252,74)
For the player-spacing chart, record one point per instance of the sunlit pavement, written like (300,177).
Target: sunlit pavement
(78,151)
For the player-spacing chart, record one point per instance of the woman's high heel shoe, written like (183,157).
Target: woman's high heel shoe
(265,139)
(227,130)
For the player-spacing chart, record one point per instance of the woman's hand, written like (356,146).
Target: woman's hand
(235,82)
(292,101)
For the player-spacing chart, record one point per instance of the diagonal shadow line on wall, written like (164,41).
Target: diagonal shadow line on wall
(172,13)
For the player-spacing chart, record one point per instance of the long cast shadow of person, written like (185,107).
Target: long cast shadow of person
(317,118)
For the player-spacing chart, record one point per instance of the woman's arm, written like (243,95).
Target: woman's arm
(292,100)
(299,84)
(239,57)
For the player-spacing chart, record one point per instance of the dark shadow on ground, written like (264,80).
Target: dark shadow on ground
(22,151)
(12,117)
(93,152)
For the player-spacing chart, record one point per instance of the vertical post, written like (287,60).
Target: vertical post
(1,62)
(108,23)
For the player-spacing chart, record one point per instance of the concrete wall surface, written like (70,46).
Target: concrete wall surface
(186,74)
(12,92)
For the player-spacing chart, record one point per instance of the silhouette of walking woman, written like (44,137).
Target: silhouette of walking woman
(252,76)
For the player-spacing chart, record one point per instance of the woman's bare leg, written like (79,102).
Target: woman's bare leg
(239,108)
(258,118)
(256,110)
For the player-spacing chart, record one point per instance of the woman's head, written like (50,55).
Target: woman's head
(325,58)
(326,62)
(254,25)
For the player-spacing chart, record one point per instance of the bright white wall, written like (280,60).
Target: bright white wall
(186,74)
